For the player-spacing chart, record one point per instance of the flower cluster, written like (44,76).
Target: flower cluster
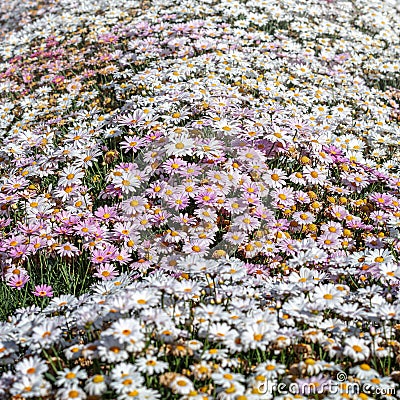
(197,330)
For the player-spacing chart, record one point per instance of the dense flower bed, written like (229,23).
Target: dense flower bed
(199,200)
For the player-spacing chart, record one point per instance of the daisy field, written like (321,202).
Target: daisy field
(199,199)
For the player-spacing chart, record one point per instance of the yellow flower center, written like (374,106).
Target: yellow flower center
(98,379)
(231,389)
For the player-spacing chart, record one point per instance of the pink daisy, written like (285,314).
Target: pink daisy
(43,291)
(18,281)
